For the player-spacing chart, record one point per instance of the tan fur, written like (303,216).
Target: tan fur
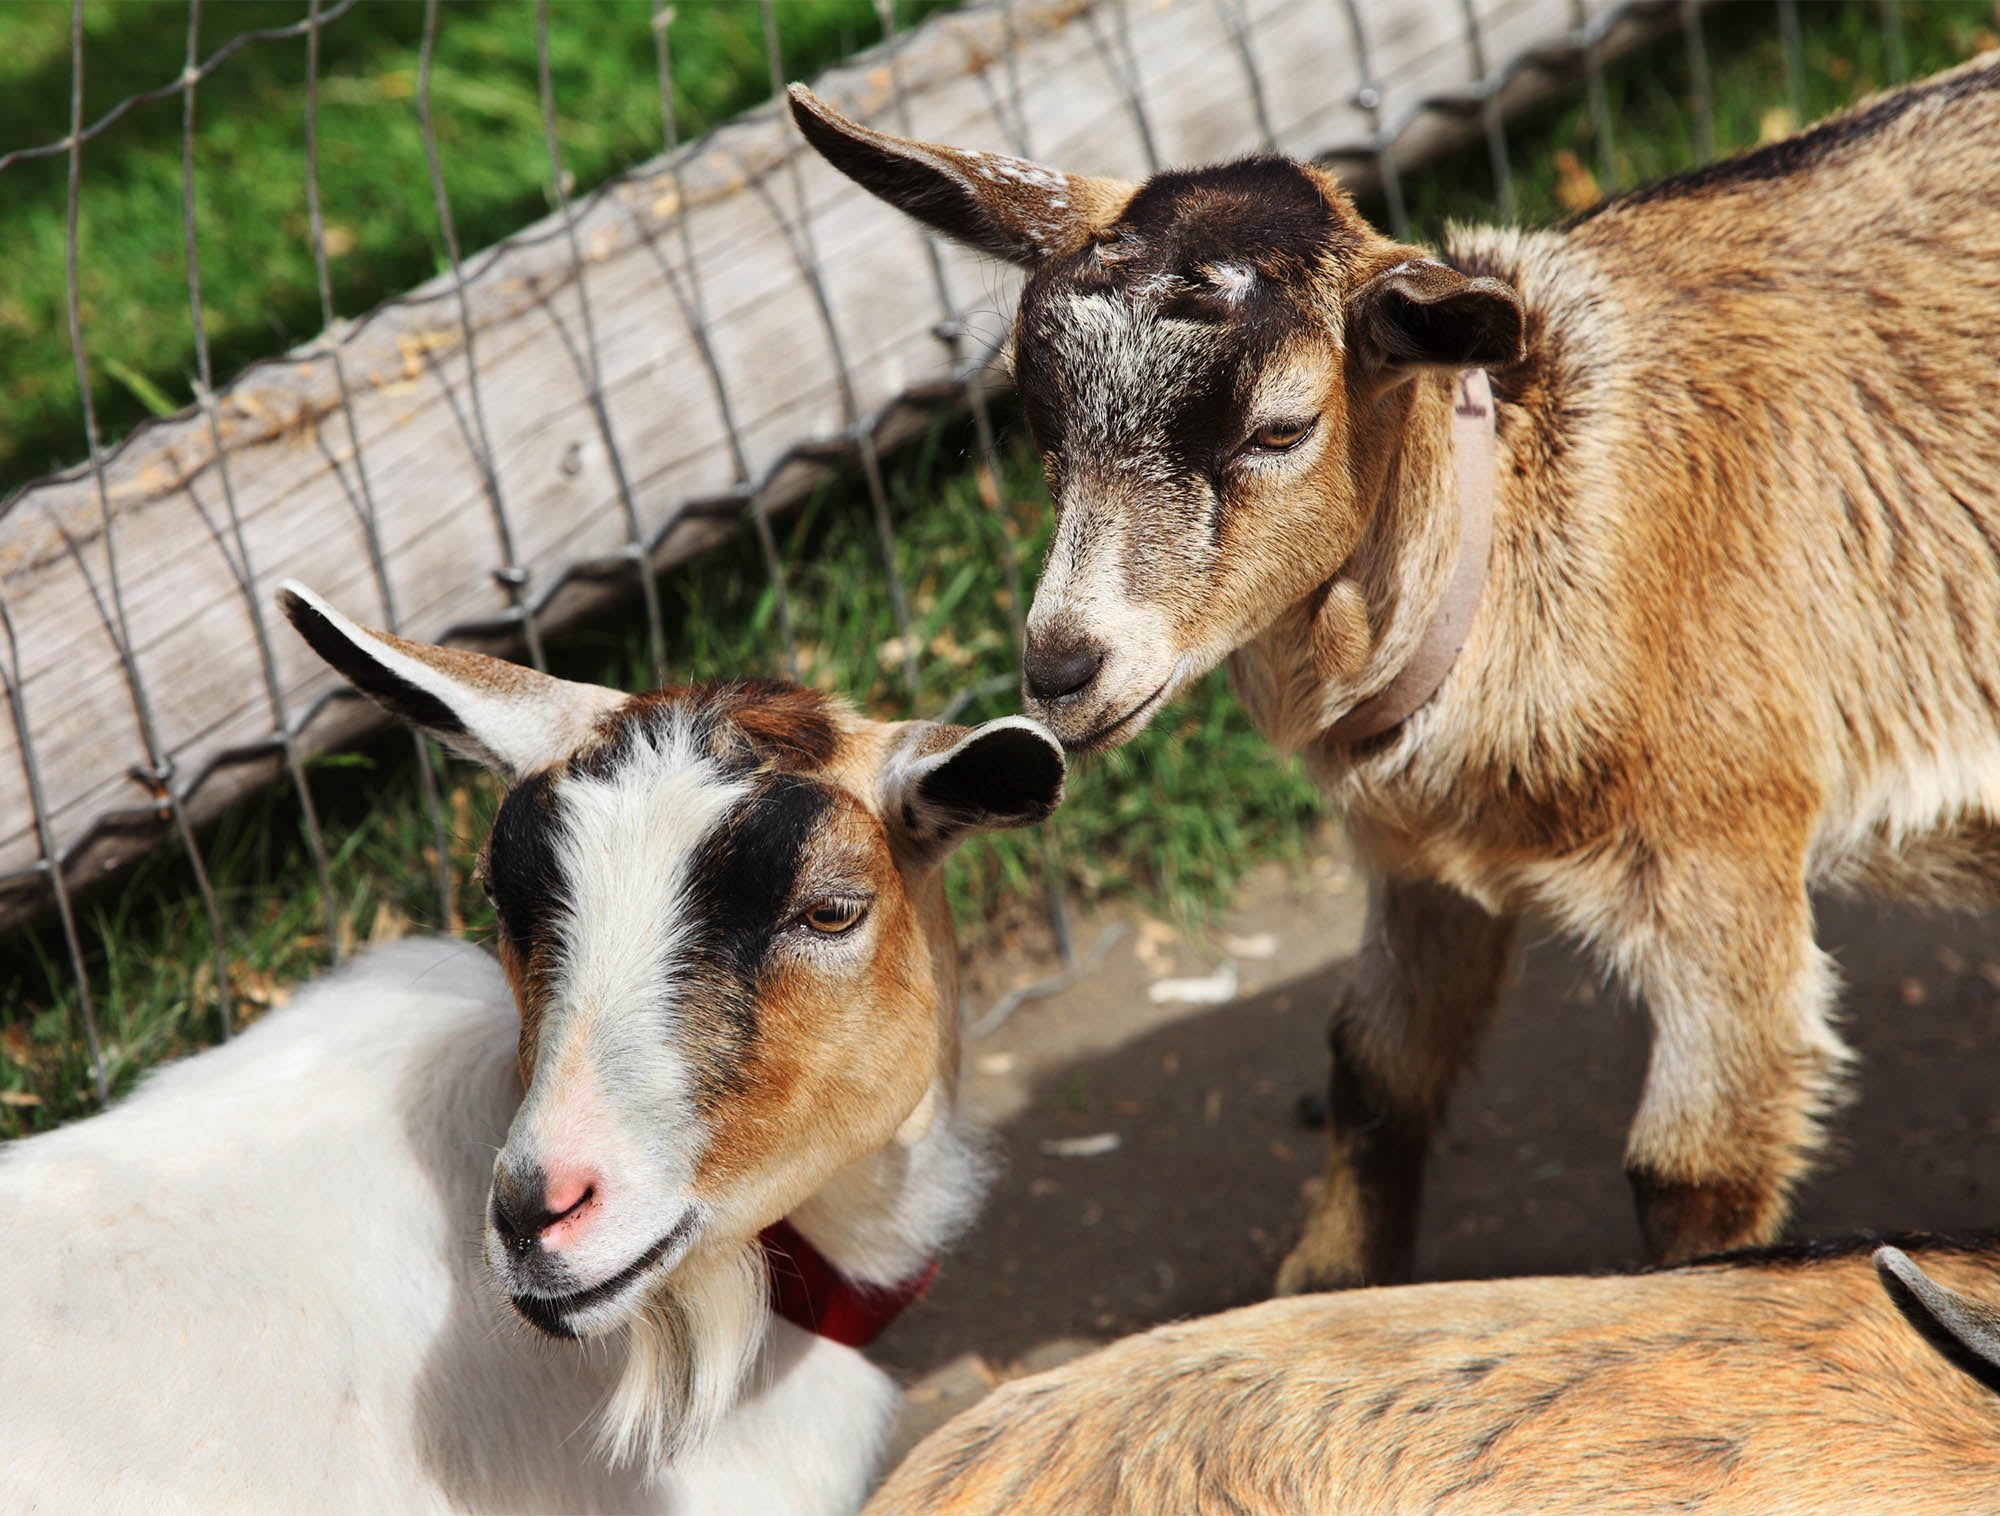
(833,1073)
(1739,637)
(1786,1389)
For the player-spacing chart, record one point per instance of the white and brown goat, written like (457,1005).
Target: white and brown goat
(727,981)
(1739,636)
(1785,1384)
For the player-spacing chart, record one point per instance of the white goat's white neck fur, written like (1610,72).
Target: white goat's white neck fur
(694,1350)
(688,1354)
(882,1219)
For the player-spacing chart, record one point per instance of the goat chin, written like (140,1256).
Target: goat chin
(688,1352)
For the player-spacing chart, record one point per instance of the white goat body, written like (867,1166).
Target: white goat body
(257,1285)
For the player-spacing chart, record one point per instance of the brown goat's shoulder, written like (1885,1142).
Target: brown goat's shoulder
(1893,122)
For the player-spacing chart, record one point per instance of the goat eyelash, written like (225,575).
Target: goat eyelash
(1282,436)
(834,917)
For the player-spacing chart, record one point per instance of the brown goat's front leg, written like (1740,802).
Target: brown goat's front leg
(1423,987)
(1744,1061)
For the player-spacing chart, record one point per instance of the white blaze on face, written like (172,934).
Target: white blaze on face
(1137,370)
(1124,372)
(1124,369)
(1233,281)
(609,1093)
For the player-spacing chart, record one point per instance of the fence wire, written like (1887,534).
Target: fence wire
(1576,53)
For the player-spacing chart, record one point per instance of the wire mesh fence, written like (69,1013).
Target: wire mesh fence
(407,461)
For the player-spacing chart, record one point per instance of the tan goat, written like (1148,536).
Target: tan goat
(1739,635)
(1785,1385)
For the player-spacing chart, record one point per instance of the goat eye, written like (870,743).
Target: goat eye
(1282,436)
(832,917)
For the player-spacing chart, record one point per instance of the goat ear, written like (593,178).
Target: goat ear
(1965,1331)
(1423,313)
(945,783)
(1005,206)
(496,713)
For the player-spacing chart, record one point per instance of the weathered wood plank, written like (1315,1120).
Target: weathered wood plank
(289,447)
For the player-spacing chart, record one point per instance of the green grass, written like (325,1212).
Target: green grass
(250,181)
(1650,102)
(1174,819)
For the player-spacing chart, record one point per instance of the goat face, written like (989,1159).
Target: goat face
(721,912)
(1208,363)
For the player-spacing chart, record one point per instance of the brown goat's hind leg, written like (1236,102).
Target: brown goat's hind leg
(1744,1065)
(1423,987)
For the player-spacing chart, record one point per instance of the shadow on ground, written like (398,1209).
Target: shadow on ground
(1191,1212)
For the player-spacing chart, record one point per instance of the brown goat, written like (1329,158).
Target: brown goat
(1740,632)
(1776,1384)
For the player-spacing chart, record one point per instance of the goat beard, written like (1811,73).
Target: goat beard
(688,1352)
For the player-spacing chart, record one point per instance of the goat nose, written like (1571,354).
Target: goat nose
(1058,665)
(527,1206)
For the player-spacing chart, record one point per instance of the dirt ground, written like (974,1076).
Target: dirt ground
(1083,1241)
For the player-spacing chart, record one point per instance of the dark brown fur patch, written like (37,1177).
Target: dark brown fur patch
(529,997)
(1266,215)
(743,888)
(1681,1219)
(782,725)
(786,726)
(517,867)
(1386,1147)
(1823,1250)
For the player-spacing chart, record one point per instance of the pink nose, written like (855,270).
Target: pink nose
(549,1206)
(571,1201)
(568,1191)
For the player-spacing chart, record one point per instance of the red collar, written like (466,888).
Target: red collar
(809,1292)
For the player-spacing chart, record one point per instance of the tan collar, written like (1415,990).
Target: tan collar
(1472,448)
